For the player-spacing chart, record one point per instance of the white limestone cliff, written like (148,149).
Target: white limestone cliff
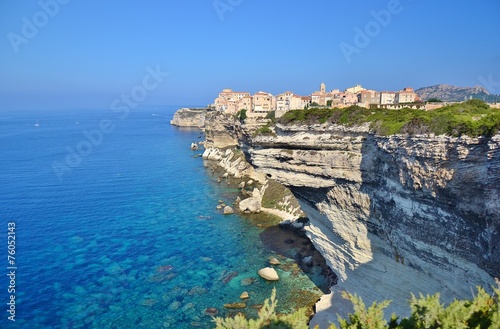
(392,215)
(186,117)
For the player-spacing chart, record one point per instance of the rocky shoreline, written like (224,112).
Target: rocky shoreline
(285,234)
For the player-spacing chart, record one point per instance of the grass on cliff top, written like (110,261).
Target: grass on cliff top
(472,118)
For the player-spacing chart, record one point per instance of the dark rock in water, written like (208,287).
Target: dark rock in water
(165,268)
(162,277)
(148,302)
(247,281)
(212,311)
(197,291)
(228,277)
(289,241)
(257,306)
(235,305)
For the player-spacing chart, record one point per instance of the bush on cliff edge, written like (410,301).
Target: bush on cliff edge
(472,118)
(426,312)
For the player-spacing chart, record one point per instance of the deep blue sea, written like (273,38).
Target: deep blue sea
(116,226)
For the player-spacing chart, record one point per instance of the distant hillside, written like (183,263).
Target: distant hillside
(449,93)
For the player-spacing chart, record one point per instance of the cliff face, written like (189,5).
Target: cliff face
(221,130)
(392,215)
(189,118)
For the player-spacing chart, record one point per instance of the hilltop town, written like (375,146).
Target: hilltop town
(262,102)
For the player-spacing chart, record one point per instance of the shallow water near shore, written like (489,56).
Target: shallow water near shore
(130,236)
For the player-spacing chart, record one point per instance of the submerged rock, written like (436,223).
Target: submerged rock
(274,261)
(165,268)
(247,281)
(237,305)
(269,273)
(228,210)
(226,277)
(244,295)
(212,311)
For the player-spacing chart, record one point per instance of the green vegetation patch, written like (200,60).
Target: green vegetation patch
(265,130)
(241,115)
(472,118)
(426,312)
(275,192)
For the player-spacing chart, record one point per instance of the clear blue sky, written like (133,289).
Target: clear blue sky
(91,52)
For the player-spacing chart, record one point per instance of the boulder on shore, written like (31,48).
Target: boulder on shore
(269,274)
(251,204)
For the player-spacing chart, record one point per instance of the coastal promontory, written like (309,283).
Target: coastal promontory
(395,209)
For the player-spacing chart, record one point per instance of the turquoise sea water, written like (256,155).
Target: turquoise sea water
(127,236)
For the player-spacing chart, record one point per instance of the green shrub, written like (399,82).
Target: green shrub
(473,118)
(241,115)
(264,130)
(267,318)
(271,115)
(426,312)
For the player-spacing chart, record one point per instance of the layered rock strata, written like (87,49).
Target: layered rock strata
(392,215)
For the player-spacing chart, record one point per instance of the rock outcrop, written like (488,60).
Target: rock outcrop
(186,117)
(392,215)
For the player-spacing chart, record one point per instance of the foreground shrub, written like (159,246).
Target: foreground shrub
(426,312)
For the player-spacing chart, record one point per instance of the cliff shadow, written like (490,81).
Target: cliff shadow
(289,244)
